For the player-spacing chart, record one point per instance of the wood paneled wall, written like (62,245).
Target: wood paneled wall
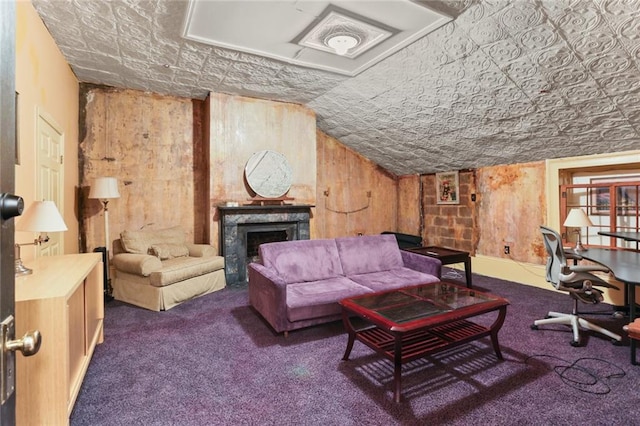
(146,141)
(177,159)
(171,171)
(410,216)
(239,127)
(511,209)
(355,196)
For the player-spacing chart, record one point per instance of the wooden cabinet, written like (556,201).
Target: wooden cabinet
(64,299)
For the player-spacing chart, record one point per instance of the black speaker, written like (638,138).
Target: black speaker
(107,281)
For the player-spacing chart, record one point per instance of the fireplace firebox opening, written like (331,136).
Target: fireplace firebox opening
(254,239)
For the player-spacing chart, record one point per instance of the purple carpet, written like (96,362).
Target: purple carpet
(213,361)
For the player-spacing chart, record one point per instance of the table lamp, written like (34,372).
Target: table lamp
(43,217)
(104,189)
(577,218)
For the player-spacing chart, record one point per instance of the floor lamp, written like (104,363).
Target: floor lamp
(577,218)
(43,217)
(104,189)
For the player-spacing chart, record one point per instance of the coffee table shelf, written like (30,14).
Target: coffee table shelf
(422,342)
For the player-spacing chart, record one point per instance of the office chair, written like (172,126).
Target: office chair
(578,282)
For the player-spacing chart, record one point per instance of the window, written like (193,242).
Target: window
(611,203)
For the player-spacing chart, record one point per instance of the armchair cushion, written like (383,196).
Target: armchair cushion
(138,264)
(140,241)
(180,269)
(201,250)
(169,251)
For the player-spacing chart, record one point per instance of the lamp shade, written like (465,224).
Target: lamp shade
(577,218)
(104,188)
(41,216)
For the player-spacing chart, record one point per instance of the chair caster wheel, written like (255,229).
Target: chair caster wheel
(575,343)
(534,327)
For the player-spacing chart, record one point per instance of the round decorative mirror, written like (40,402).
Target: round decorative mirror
(268,174)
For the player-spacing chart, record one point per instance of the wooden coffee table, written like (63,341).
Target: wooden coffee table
(410,323)
(447,256)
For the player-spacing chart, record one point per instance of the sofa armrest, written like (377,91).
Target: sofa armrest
(268,295)
(138,264)
(201,250)
(418,262)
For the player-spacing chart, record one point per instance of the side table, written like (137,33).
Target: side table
(447,256)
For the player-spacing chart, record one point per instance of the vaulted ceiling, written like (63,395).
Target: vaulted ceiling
(503,82)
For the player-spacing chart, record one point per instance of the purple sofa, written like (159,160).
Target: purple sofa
(299,283)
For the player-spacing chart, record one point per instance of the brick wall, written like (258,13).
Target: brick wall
(450,225)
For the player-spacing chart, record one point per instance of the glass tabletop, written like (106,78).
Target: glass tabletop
(413,303)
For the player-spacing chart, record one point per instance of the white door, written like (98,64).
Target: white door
(50,174)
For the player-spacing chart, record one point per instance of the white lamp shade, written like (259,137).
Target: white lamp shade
(41,216)
(577,218)
(104,188)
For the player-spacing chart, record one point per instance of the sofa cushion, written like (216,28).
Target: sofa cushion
(369,253)
(302,260)
(307,300)
(393,279)
(169,251)
(141,241)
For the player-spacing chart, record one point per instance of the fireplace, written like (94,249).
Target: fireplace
(244,228)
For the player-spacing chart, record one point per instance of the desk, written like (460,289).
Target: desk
(626,235)
(625,267)
(623,235)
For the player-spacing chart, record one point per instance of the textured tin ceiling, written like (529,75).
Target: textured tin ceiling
(296,32)
(505,82)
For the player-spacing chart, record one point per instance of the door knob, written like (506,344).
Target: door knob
(28,345)
(10,205)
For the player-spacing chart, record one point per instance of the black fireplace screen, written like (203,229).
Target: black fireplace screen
(254,239)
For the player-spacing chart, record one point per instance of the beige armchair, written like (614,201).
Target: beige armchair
(158,269)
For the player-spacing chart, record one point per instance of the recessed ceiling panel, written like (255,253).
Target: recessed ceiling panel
(338,33)
(294,31)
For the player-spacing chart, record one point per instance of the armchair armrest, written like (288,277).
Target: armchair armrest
(418,262)
(201,250)
(139,264)
(268,295)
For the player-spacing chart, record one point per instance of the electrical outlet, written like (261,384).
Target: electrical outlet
(507,250)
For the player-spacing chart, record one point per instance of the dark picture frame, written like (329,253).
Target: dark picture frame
(447,188)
